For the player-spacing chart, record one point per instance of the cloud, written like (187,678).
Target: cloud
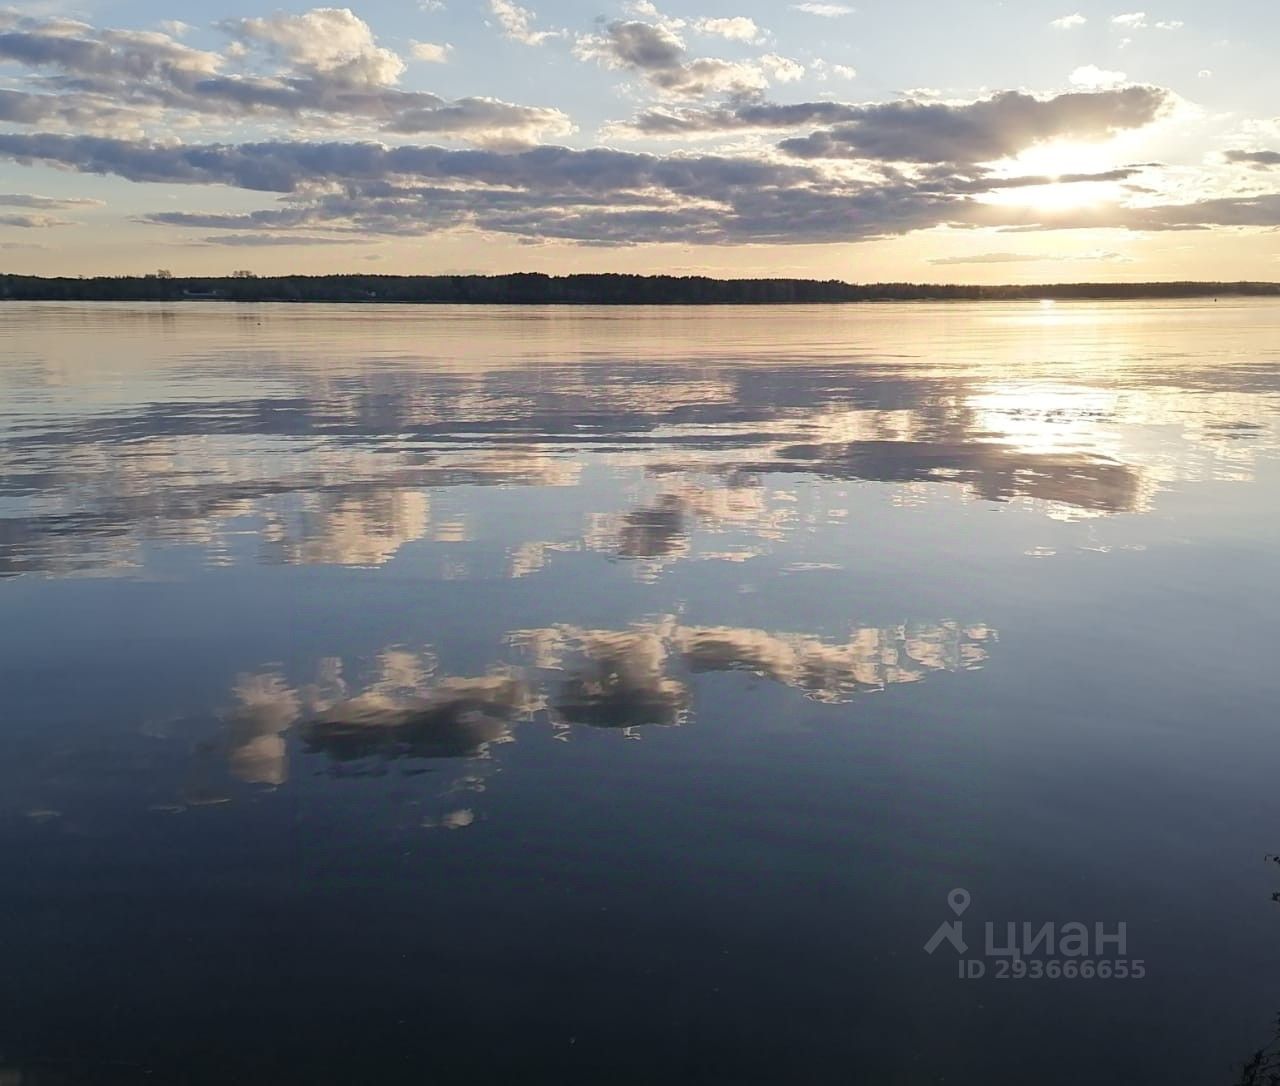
(1098,256)
(1137,20)
(738,28)
(619,680)
(517,23)
(430,52)
(33,222)
(916,131)
(1258,159)
(988,258)
(657,53)
(919,164)
(982,131)
(46,203)
(782,69)
(826,70)
(1261,211)
(599,196)
(261,240)
(331,42)
(78,48)
(1069,22)
(1091,77)
(825,11)
(329,71)
(694,121)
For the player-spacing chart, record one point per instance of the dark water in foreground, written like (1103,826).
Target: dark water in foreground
(450,696)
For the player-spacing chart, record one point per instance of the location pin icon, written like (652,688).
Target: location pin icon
(959,900)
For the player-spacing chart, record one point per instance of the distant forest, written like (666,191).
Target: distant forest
(530,289)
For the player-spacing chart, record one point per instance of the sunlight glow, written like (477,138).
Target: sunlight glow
(1055,161)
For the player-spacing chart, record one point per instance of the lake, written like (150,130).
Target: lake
(462,695)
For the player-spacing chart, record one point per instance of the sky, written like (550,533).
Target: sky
(919,140)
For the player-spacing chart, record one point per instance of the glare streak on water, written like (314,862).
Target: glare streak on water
(618,681)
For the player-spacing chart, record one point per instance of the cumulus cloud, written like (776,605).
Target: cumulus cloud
(658,54)
(1069,22)
(109,102)
(982,131)
(599,196)
(827,70)
(1137,20)
(914,131)
(517,23)
(782,69)
(329,70)
(825,11)
(737,28)
(1092,77)
(430,52)
(331,42)
(76,47)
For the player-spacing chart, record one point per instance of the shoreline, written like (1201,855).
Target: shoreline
(585,290)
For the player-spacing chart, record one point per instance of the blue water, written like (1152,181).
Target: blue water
(479,695)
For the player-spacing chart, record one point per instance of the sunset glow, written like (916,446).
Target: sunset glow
(806,140)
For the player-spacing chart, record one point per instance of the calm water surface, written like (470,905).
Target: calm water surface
(482,695)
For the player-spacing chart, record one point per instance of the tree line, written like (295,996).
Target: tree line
(535,289)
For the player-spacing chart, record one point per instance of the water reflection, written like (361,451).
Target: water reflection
(336,449)
(564,677)
(712,603)
(994,472)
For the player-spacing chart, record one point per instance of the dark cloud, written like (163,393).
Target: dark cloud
(915,131)
(599,195)
(46,203)
(330,70)
(658,54)
(983,131)
(694,121)
(996,472)
(1260,159)
(602,195)
(266,240)
(922,161)
(458,720)
(620,680)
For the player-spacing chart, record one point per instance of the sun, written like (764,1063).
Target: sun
(1059,163)
(1057,196)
